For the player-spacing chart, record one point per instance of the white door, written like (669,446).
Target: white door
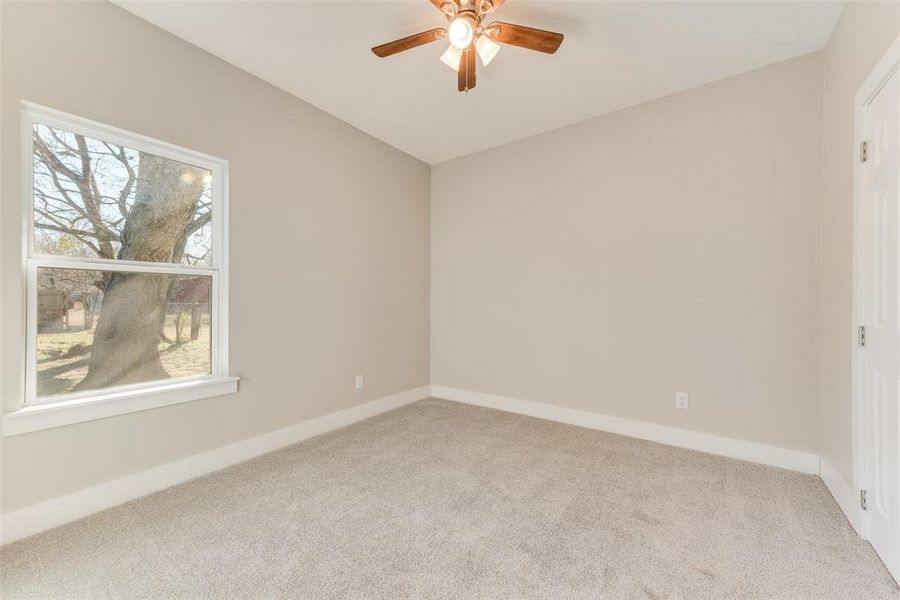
(880,315)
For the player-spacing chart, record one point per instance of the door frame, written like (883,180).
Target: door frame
(887,66)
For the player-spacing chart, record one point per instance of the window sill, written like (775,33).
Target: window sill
(57,414)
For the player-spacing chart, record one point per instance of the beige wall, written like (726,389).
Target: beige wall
(327,223)
(677,245)
(861,37)
(670,246)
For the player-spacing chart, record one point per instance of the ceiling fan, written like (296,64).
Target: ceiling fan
(469,36)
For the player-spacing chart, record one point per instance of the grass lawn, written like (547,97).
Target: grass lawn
(63,357)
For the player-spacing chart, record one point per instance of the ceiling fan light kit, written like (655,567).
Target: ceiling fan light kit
(486,49)
(452,57)
(468,36)
(461,31)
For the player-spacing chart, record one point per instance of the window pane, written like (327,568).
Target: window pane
(97,329)
(102,200)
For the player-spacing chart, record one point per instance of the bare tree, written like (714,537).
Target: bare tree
(137,212)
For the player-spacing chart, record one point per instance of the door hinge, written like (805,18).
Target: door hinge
(863,151)
(862,335)
(862,500)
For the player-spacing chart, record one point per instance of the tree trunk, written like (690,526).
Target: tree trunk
(126,342)
(195,322)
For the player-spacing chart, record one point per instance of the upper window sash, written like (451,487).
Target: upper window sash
(33,114)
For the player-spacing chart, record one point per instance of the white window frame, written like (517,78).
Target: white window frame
(35,412)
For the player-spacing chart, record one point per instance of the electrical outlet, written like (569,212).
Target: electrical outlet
(681,400)
(360,382)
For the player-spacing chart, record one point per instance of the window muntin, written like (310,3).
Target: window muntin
(111,208)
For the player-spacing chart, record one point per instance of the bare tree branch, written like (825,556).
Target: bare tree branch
(53,161)
(119,153)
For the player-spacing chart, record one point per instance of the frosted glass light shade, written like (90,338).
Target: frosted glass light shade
(452,57)
(461,32)
(486,48)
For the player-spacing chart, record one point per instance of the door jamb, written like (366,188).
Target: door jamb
(887,65)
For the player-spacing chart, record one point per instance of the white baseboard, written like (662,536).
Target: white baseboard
(33,519)
(842,492)
(795,460)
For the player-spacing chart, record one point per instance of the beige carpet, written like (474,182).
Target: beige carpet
(444,500)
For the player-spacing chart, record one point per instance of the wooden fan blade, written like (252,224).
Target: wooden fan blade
(465,79)
(409,42)
(470,66)
(525,37)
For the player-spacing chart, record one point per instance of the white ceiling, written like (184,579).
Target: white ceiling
(615,54)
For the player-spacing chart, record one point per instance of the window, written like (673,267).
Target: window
(125,263)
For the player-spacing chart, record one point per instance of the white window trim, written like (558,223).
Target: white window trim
(35,413)
(121,401)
